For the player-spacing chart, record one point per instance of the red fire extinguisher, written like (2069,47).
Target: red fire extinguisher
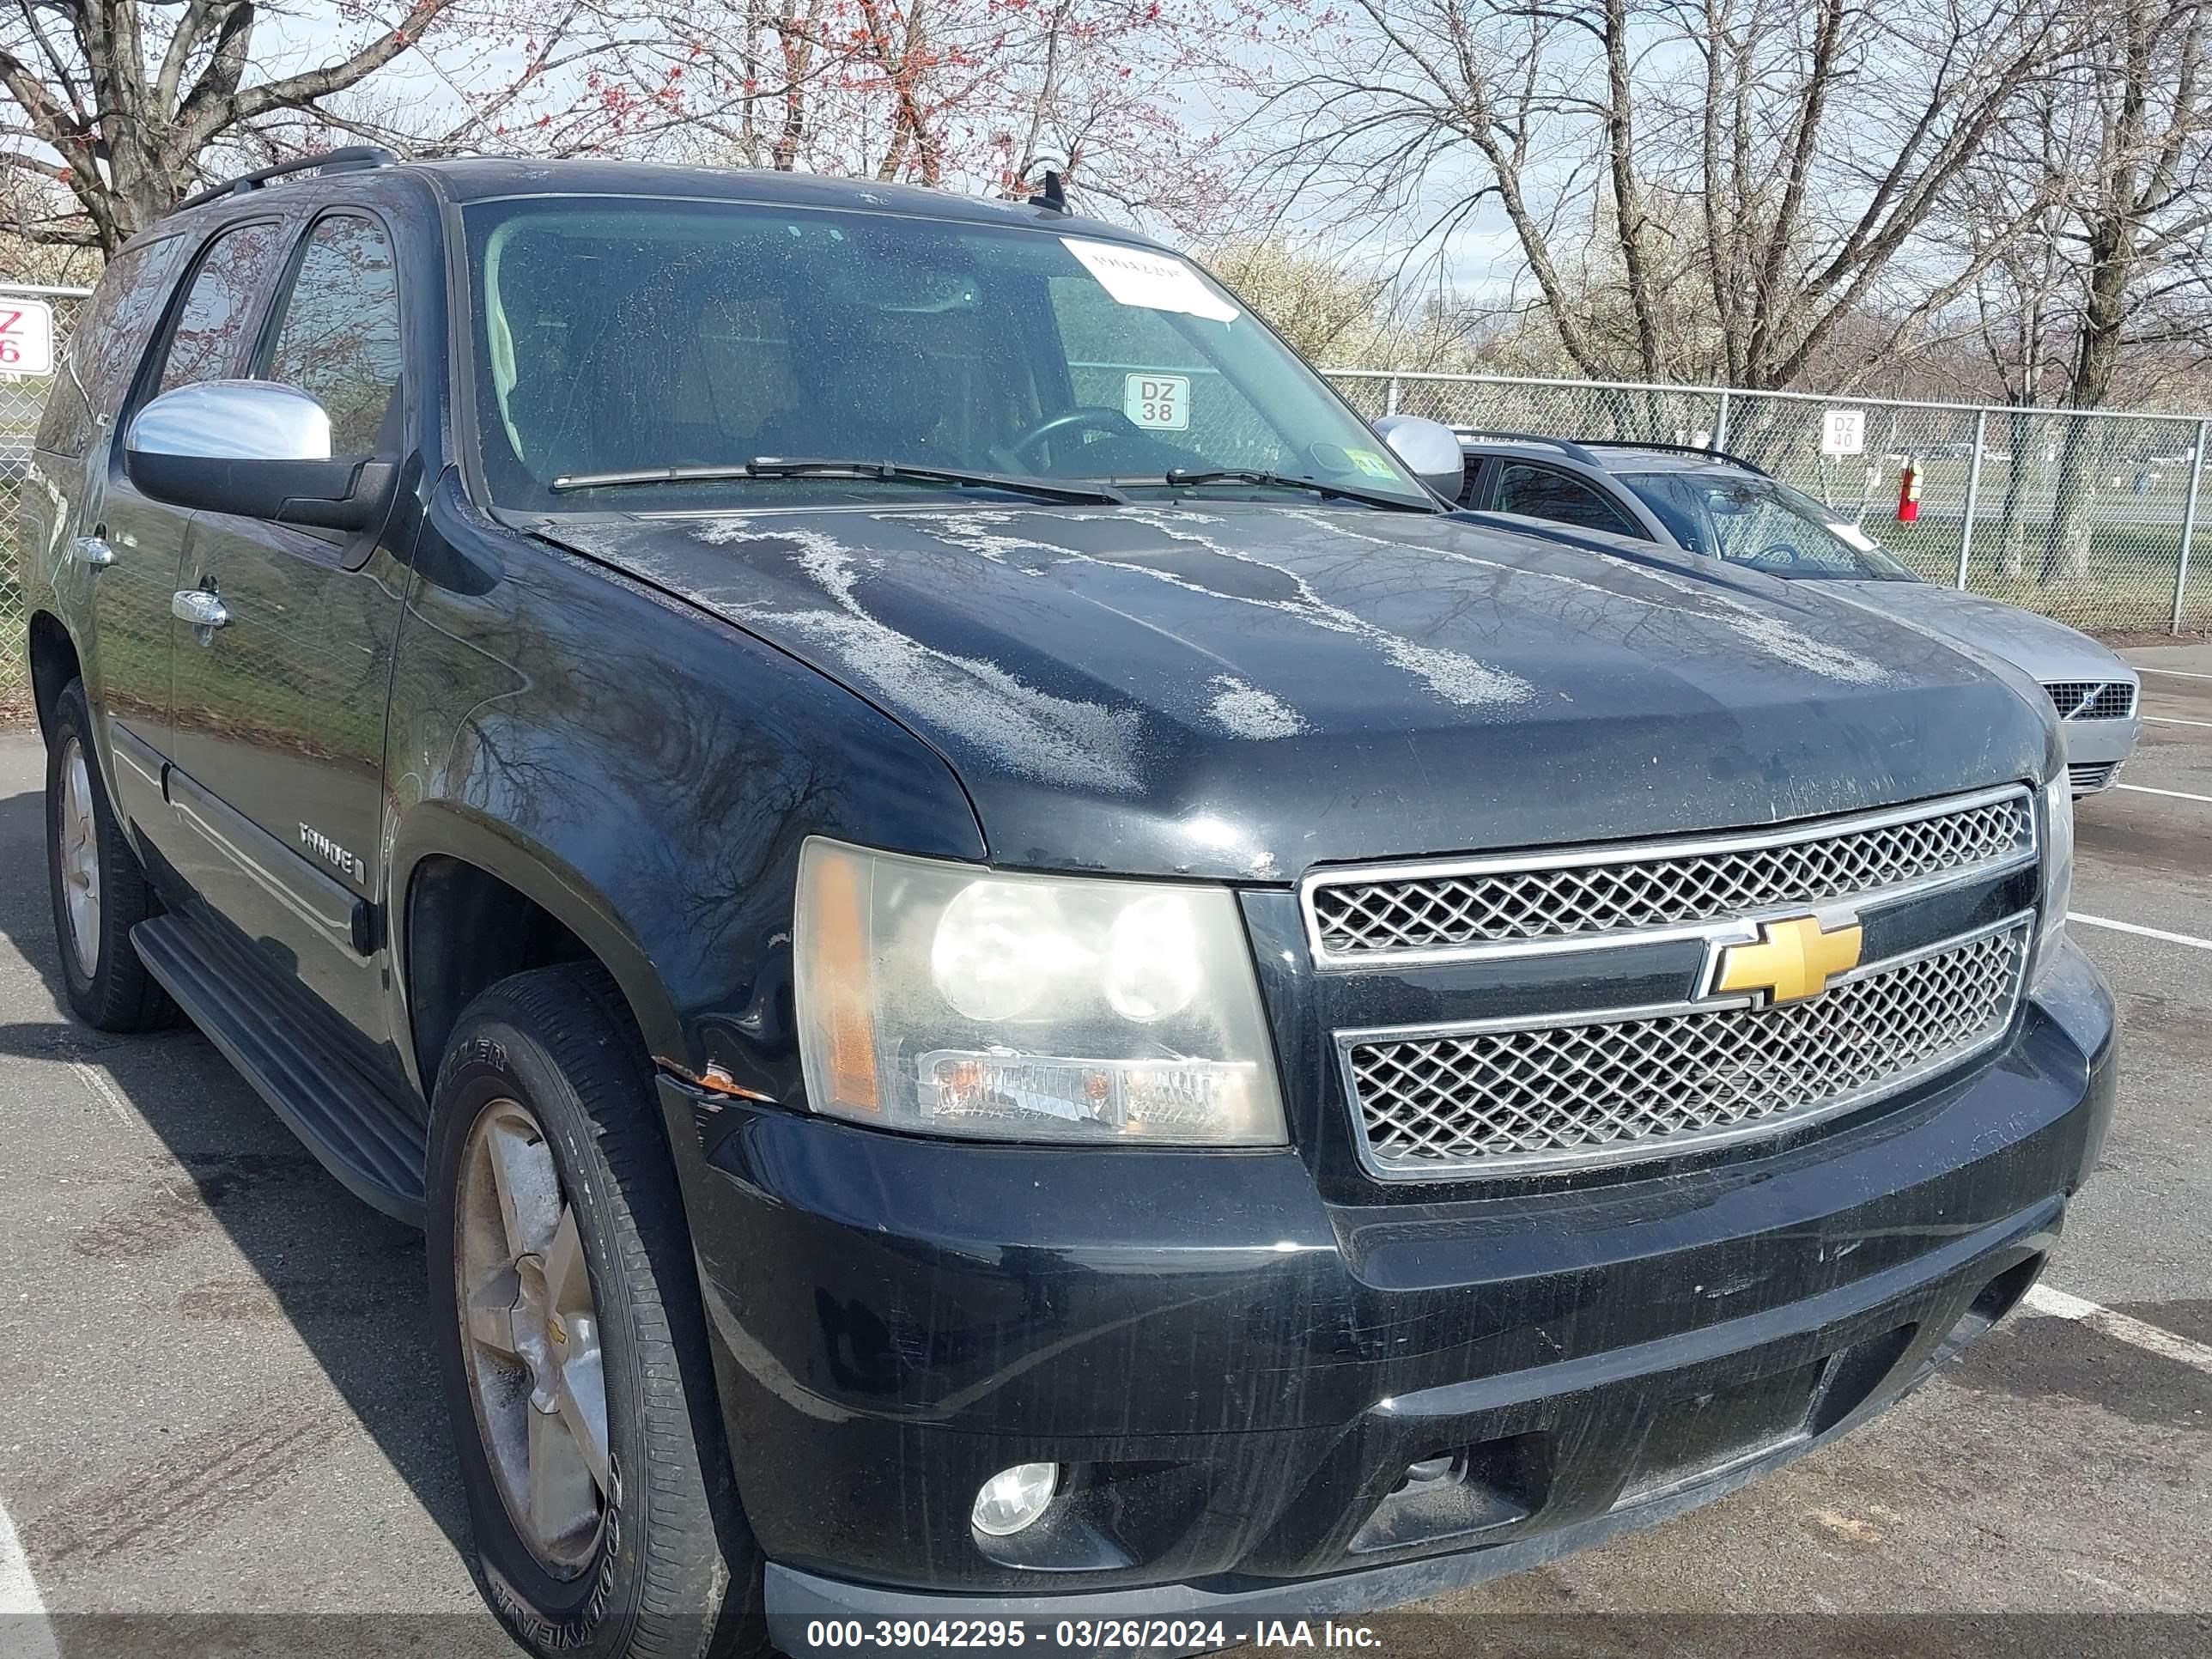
(1908,493)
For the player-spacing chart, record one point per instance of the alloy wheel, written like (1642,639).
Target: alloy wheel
(80,858)
(531,1339)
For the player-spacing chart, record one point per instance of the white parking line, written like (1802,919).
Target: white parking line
(2057,1304)
(2168,720)
(2171,673)
(2172,794)
(2137,927)
(25,1632)
(97,1086)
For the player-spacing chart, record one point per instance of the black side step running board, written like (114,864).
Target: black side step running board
(367,1135)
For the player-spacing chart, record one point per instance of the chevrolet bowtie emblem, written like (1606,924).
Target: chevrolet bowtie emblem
(1789,961)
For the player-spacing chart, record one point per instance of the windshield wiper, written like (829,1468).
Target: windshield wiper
(1179,476)
(779,467)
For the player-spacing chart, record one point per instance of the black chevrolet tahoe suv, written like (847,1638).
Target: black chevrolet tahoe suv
(1012,979)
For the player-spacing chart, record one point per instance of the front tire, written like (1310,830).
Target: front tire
(100,889)
(571,1340)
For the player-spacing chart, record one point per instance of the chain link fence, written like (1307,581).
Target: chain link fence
(2093,518)
(22,400)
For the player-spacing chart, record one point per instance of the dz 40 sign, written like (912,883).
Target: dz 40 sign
(27,337)
(1843,432)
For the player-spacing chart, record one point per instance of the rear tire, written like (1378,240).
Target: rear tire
(100,889)
(571,1340)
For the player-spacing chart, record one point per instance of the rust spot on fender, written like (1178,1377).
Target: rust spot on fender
(714,1081)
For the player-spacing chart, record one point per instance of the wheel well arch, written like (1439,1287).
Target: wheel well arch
(54,663)
(465,922)
(467,930)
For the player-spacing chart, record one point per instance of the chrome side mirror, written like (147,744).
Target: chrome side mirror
(232,420)
(1429,449)
(254,449)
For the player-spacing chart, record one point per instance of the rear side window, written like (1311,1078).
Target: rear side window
(339,338)
(208,341)
(1544,492)
(97,358)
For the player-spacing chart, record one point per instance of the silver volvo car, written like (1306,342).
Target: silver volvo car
(1704,502)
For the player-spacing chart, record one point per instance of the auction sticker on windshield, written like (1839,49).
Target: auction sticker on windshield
(1161,402)
(1157,282)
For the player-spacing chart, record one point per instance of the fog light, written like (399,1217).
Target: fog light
(1430,1470)
(1013,1498)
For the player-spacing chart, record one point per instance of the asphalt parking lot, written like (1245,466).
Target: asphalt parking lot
(218,1396)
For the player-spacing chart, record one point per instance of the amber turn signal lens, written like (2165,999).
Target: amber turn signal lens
(839,977)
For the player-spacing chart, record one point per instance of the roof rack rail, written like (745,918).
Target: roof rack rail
(1581,448)
(1679,449)
(1567,444)
(347,159)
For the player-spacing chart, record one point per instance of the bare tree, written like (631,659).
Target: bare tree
(117,100)
(964,94)
(2143,218)
(1331,310)
(1708,187)
(2105,286)
(117,108)
(2146,209)
(31,198)
(2012,207)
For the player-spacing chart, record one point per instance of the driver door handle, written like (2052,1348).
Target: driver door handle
(198,607)
(91,550)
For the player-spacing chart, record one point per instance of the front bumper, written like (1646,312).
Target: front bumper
(1239,1375)
(2095,750)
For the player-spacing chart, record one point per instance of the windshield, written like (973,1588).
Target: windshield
(617,337)
(1760,522)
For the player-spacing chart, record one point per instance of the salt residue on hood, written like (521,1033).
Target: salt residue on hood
(1057,739)
(1773,634)
(1220,695)
(1451,675)
(1246,711)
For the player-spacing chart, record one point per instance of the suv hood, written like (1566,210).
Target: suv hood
(2046,651)
(1239,692)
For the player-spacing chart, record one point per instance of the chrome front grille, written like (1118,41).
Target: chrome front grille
(1480,907)
(2087,777)
(1508,1097)
(2093,700)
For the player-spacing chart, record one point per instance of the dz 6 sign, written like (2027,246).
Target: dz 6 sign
(27,337)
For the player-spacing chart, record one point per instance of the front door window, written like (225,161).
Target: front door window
(339,339)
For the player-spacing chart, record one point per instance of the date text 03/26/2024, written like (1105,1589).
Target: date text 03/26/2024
(1165,1635)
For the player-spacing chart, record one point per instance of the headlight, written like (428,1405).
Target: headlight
(2058,871)
(943,999)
